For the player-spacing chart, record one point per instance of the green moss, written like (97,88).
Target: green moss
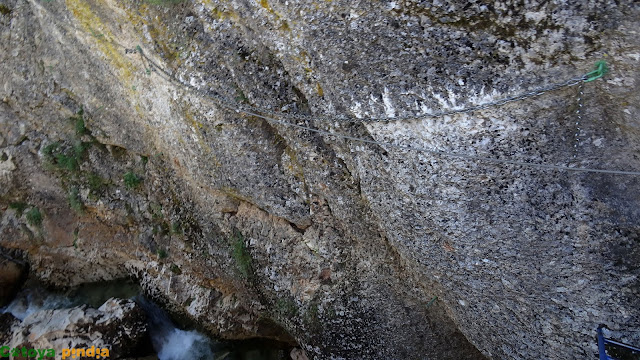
(175,269)
(164,2)
(34,217)
(66,162)
(176,229)
(286,308)
(164,228)
(4,10)
(75,202)
(131,180)
(67,159)
(162,254)
(311,317)
(79,125)
(95,182)
(241,97)
(156,211)
(19,207)
(241,256)
(80,148)
(49,151)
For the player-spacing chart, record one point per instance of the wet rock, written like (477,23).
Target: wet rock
(7,321)
(12,275)
(119,325)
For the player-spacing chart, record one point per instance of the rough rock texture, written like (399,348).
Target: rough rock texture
(252,228)
(7,321)
(119,325)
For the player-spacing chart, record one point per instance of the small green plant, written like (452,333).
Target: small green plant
(4,10)
(75,202)
(286,308)
(78,123)
(95,182)
(131,180)
(65,162)
(57,157)
(144,159)
(34,217)
(162,254)
(79,149)
(175,269)
(240,96)
(156,211)
(49,151)
(19,207)
(161,228)
(176,229)
(311,317)
(241,255)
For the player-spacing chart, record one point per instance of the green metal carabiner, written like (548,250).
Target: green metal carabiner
(601,69)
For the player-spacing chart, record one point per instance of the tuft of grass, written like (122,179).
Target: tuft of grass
(19,207)
(65,162)
(286,308)
(161,228)
(75,202)
(78,123)
(242,256)
(34,217)
(80,148)
(4,10)
(95,182)
(175,269)
(156,211)
(162,254)
(176,229)
(131,180)
(49,151)
(65,159)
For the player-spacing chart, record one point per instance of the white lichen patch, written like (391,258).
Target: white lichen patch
(356,110)
(388,105)
(6,168)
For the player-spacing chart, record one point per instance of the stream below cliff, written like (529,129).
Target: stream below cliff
(168,341)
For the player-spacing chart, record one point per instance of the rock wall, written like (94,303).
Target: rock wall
(253,228)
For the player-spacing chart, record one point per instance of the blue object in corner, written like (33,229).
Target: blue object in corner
(602,341)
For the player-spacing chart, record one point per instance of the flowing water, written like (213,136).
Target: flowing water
(168,340)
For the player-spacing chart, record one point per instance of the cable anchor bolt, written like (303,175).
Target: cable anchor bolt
(600,71)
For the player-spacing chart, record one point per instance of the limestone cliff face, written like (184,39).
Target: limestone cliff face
(253,228)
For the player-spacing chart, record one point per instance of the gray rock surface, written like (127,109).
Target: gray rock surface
(252,228)
(7,322)
(118,325)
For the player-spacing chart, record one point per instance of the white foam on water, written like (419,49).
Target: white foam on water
(30,302)
(178,344)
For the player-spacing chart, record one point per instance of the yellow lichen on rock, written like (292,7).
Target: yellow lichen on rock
(92,24)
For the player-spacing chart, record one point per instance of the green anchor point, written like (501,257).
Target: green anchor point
(601,69)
